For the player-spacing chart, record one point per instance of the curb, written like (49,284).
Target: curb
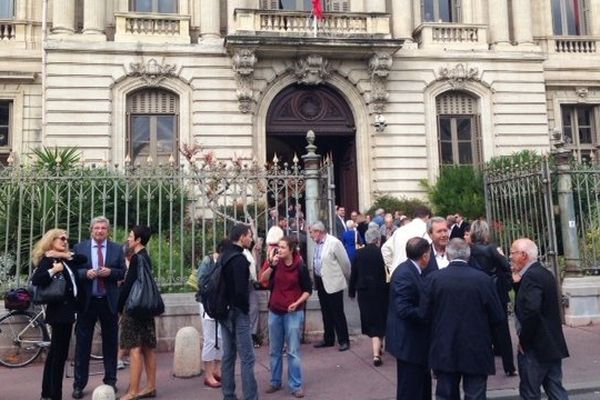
(572,388)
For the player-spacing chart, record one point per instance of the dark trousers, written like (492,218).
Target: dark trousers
(448,386)
(535,373)
(332,311)
(414,381)
(54,367)
(503,345)
(109,324)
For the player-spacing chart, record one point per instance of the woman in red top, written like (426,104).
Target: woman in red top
(290,288)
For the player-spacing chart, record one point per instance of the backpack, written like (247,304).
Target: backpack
(211,288)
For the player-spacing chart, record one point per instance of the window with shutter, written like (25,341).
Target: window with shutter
(579,125)
(441,10)
(154,6)
(570,17)
(459,137)
(152,126)
(5,133)
(338,5)
(269,4)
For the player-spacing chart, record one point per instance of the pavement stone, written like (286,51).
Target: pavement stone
(329,375)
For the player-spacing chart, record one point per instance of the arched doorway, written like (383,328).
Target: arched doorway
(299,108)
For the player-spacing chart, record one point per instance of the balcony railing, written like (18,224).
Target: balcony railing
(8,30)
(575,44)
(300,23)
(452,36)
(158,28)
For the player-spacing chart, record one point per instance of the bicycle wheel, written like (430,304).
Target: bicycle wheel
(97,343)
(22,339)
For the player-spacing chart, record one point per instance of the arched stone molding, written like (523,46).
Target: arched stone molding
(127,85)
(485,101)
(364,130)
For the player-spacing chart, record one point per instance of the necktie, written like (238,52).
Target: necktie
(101,288)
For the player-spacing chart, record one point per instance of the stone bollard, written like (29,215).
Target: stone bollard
(103,392)
(187,358)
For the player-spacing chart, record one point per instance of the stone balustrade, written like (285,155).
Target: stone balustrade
(154,28)
(452,36)
(8,30)
(301,23)
(575,44)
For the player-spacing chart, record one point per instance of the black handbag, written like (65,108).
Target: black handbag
(144,299)
(54,292)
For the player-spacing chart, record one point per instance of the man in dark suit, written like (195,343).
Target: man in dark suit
(542,344)
(438,232)
(463,306)
(98,299)
(340,222)
(407,333)
(459,227)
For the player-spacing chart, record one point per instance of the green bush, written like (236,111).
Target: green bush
(458,189)
(390,204)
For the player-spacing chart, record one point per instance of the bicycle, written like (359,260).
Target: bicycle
(24,335)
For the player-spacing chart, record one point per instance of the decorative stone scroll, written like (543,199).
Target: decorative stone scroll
(152,72)
(458,76)
(380,65)
(582,93)
(244,61)
(312,69)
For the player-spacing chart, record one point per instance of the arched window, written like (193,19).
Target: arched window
(152,117)
(459,135)
(154,6)
(570,17)
(440,10)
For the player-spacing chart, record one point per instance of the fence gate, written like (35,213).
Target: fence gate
(519,203)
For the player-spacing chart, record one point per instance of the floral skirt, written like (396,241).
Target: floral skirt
(137,332)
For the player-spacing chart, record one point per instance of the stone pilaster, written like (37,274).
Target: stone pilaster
(467,12)
(94,12)
(402,19)
(498,17)
(231,6)
(522,22)
(376,6)
(122,5)
(63,17)
(594,29)
(210,19)
(21,10)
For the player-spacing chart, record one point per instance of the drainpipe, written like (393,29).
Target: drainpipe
(44,61)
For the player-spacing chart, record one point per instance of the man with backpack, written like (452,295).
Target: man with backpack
(236,332)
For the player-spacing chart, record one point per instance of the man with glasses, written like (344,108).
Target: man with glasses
(542,344)
(98,299)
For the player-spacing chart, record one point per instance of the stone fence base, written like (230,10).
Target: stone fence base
(583,294)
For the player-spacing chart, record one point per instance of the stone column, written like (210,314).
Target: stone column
(312,162)
(63,17)
(498,22)
(522,22)
(122,5)
(402,19)
(21,10)
(377,6)
(210,12)
(594,29)
(467,12)
(94,12)
(231,6)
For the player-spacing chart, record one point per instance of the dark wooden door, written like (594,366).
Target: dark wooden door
(298,109)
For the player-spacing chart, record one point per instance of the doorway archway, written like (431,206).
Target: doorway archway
(299,108)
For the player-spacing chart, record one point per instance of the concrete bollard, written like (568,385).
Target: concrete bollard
(103,392)
(187,357)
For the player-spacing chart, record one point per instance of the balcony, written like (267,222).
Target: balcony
(300,24)
(284,33)
(452,36)
(575,45)
(152,28)
(8,30)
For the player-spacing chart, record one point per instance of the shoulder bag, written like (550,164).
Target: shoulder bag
(54,292)
(144,300)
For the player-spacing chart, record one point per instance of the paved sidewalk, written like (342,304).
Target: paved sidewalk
(329,374)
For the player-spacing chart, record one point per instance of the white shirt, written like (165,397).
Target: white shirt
(417,267)
(440,259)
(394,249)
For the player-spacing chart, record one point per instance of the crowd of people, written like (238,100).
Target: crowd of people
(432,292)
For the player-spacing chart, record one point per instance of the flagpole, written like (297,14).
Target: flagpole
(315,24)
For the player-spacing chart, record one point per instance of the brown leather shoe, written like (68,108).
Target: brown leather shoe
(212,384)
(298,393)
(272,389)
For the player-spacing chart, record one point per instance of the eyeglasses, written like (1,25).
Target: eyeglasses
(63,238)
(516,252)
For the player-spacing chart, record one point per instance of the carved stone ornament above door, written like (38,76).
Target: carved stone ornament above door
(244,61)
(152,72)
(380,66)
(312,69)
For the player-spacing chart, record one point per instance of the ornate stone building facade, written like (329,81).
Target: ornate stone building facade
(393,89)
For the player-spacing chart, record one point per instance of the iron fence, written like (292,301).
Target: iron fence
(188,208)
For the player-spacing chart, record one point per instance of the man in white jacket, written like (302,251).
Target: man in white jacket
(331,270)
(394,249)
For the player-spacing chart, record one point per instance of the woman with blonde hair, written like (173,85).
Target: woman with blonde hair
(53,260)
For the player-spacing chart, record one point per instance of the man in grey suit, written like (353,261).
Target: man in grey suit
(98,299)
(332,271)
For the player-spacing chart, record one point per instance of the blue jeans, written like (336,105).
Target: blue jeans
(535,373)
(237,339)
(286,327)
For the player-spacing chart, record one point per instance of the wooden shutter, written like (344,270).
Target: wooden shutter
(338,5)
(153,102)
(452,103)
(269,4)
